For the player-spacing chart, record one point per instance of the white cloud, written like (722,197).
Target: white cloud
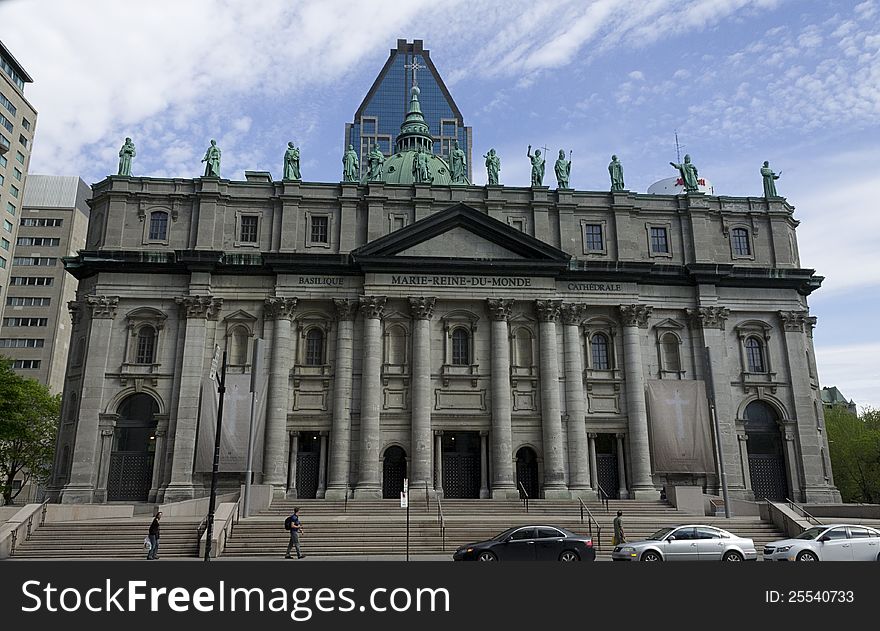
(854,369)
(637,75)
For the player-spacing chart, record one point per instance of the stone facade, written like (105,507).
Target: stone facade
(486,348)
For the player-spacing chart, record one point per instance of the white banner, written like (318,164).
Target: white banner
(680,435)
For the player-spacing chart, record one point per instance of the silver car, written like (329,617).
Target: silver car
(692,542)
(836,542)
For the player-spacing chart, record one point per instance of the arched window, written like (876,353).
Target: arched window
(522,348)
(671,355)
(599,352)
(755,359)
(314,347)
(396,345)
(158,226)
(146,346)
(739,239)
(238,346)
(461,347)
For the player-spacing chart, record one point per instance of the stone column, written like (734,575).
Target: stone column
(292,447)
(422,310)
(594,475)
(575,404)
(635,317)
(80,488)
(370,476)
(503,481)
(322,467)
(340,431)
(551,414)
(438,463)
(158,458)
(108,423)
(744,460)
(280,311)
(791,460)
(484,465)
(621,469)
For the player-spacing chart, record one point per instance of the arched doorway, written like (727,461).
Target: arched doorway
(134,448)
(393,472)
(527,471)
(308,458)
(765,448)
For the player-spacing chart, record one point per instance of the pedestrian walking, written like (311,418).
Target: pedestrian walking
(293,524)
(619,536)
(153,536)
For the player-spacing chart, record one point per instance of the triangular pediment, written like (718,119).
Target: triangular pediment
(460,242)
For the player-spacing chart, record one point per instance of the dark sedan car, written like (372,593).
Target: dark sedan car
(530,543)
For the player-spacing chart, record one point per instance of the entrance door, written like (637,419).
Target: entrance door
(527,471)
(134,448)
(393,472)
(461,465)
(308,460)
(765,449)
(606,465)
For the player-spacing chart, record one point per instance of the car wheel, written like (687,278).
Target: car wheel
(732,556)
(569,555)
(485,555)
(806,555)
(650,555)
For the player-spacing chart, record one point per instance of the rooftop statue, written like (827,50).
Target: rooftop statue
(689,175)
(493,167)
(769,180)
(458,164)
(537,166)
(420,172)
(291,163)
(212,160)
(375,160)
(563,169)
(125,155)
(350,166)
(615,169)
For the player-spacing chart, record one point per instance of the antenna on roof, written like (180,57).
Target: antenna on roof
(678,147)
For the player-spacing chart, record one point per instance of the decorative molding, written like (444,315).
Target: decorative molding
(75,308)
(372,307)
(345,309)
(548,310)
(794,321)
(810,322)
(206,307)
(573,314)
(635,315)
(422,308)
(708,317)
(499,309)
(279,308)
(103,306)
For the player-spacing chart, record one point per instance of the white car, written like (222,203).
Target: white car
(837,542)
(692,542)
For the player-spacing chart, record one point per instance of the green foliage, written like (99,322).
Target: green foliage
(29,416)
(854,442)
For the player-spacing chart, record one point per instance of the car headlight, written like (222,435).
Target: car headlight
(628,549)
(783,549)
(469,550)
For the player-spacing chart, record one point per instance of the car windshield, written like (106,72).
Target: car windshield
(657,536)
(504,535)
(812,533)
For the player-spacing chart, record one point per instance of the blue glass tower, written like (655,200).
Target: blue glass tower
(378,119)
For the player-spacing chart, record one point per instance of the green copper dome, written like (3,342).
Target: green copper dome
(399,169)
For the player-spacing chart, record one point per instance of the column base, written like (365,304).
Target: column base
(178,493)
(289,494)
(643,493)
(368,493)
(439,492)
(582,492)
(505,493)
(623,494)
(484,494)
(336,493)
(557,493)
(77,495)
(822,495)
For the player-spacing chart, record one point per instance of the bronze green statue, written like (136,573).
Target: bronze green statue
(350,166)
(537,166)
(563,169)
(125,155)
(615,169)
(493,167)
(458,164)
(420,172)
(769,180)
(689,175)
(375,160)
(291,163)
(212,160)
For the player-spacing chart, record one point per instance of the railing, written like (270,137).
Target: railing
(345,505)
(27,527)
(603,496)
(524,496)
(590,521)
(800,509)
(427,499)
(442,523)
(202,527)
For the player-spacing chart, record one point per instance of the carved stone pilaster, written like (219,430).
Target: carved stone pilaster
(372,307)
(75,308)
(793,320)
(206,307)
(103,306)
(573,313)
(499,309)
(346,309)
(708,317)
(279,308)
(635,315)
(548,310)
(422,308)
(810,322)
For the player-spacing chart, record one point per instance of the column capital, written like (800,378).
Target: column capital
(635,315)
(810,323)
(592,435)
(422,307)
(620,436)
(793,321)
(499,309)
(438,432)
(548,310)
(573,314)
(484,432)
(345,309)
(205,307)
(372,307)
(708,317)
(279,308)
(103,307)
(75,308)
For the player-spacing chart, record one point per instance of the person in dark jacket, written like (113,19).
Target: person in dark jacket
(154,538)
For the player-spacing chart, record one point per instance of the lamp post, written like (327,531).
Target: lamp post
(711,396)
(215,471)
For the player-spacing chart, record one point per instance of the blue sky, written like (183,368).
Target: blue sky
(796,82)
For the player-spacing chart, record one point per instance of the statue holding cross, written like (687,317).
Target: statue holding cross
(537,166)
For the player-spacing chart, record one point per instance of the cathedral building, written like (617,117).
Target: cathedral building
(480,341)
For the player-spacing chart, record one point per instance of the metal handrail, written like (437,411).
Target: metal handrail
(427,499)
(28,526)
(442,523)
(590,521)
(345,506)
(603,496)
(524,496)
(813,520)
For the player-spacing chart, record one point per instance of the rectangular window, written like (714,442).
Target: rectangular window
(2,263)
(659,240)
(4,243)
(593,241)
(32,281)
(739,238)
(22,342)
(25,321)
(518,224)
(20,157)
(10,208)
(5,142)
(319,231)
(41,261)
(2,179)
(50,242)
(10,107)
(26,364)
(25,123)
(27,301)
(3,160)
(17,174)
(23,141)
(249,228)
(41,223)
(6,123)
(158,226)
(7,225)
(13,190)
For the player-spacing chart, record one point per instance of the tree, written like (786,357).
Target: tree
(854,444)
(29,416)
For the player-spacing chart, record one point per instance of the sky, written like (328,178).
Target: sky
(795,82)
